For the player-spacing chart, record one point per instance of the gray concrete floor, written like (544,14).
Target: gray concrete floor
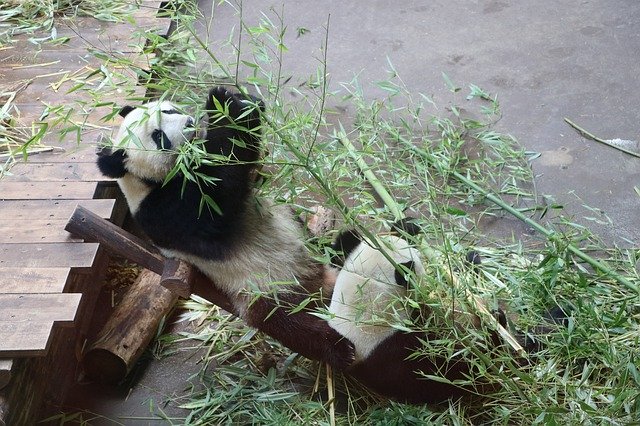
(545,60)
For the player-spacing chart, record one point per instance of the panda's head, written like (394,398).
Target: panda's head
(147,141)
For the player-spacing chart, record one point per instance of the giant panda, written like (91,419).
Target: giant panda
(366,308)
(251,248)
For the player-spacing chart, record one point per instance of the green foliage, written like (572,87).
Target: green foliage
(588,372)
(28,16)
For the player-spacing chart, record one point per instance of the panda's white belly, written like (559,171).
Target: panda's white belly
(362,311)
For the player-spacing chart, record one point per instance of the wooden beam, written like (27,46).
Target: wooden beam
(91,227)
(47,190)
(12,210)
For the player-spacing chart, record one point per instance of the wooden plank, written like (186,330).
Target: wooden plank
(58,172)
(59,308)
(75,154)
(5,372)
(52,255)
(35,231)
(52,209)
(47,190)
(79,155)
(24,339)
(30,280)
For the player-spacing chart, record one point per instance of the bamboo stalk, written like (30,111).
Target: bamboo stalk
(331,395)
(591,136)
(384,195)
(551,236)
(475,302)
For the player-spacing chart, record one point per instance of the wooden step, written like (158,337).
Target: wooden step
(33,280)
(12,210)
(47,190)
(26,321)
(52,255)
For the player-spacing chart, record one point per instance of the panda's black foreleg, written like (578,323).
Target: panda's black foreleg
(233,126)
(233,146)
(302,332)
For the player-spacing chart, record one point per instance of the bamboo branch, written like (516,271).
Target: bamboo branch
(591,136)
(551,235)
(476,303)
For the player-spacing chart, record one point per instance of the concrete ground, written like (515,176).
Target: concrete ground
(545,60)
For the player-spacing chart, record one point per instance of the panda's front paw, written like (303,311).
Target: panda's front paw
(341,352)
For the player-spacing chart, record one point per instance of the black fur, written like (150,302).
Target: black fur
(402,271)
(111,163)
(406,226)
(474,258)
(161,139)
(125,110)
(208,233)
(343,245)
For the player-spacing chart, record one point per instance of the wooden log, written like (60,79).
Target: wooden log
(90,226)
(177,276)
(131,327)
(5,371)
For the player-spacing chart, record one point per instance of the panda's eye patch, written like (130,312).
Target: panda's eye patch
(160,139)
(171,111)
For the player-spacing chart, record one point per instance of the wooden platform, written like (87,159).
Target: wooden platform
(49,279)
(38,258)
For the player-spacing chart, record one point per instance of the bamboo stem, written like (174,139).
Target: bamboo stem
(591,136)
(382,192)
(331,395)
(388,200)
(551,236)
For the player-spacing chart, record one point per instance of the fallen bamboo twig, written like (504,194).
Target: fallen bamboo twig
(591,136)
(474,301)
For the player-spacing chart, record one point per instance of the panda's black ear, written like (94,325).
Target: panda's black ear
(344,244)
(111,163)
(125,110)
(407,226)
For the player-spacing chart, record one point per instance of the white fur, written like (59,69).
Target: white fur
(365,296)
(134,191)
(143,157)
(273,254)
(144,160)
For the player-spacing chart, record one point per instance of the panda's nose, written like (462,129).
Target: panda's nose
(189,122)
